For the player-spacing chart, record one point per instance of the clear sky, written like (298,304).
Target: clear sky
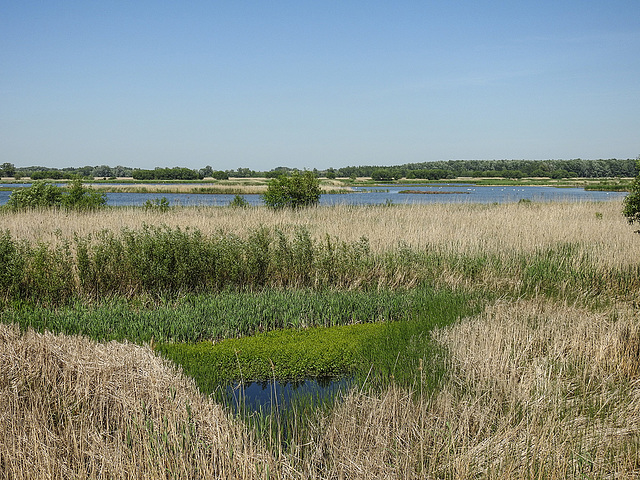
(314,84)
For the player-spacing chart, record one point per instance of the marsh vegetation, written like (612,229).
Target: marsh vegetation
(497,341)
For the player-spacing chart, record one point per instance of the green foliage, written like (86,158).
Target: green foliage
(281,354)
(7,170)
(220,175)
(11,267)
(158,204)
(228,314)
(391,350)
(175,173)
(404,352)
(239,202)
(631,208)
(164,262)
(50,175)
(298,190)
(42,194)
(383,175)
(39,194)
(84,198)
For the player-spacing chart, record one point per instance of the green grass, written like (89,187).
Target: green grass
(229,314)
(396,347)
(281,354)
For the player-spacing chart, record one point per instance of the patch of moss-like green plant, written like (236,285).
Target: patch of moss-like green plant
(283,355)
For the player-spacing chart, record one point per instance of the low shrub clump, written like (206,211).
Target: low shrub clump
(42,194)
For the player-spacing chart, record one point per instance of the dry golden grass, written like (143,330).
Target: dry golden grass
(231,186)
(537,390)
(219,188)
(471,229)
(73,408)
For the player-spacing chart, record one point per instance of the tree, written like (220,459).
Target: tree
(7,170)
(631,208)
(382,175)
(206,171)
(219,175)
(298,190)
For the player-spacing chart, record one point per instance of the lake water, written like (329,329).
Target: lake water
(383,195)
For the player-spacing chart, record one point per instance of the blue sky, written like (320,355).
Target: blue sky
(261,84)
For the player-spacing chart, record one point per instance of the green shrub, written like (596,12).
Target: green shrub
(239,202)
(39,194)
(42,194)
(11,267)
(159,204)
(83,198)
(631,208)
(298,190)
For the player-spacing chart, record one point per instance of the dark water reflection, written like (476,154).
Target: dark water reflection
(270,395)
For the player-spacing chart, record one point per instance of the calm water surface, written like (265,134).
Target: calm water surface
(268,395)
(383,195)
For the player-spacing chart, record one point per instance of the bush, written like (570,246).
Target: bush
(159,204)
(239,202)
(631,208)
(298,190)
(80,197)
(42,194)
(39,194)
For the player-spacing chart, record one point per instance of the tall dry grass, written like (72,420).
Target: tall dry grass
(236,186)
(465,228)
(536,390)
(74,408)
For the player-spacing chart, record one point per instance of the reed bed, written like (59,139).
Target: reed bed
(543,383)
(535,389)
(466,228)
(537,249)
(216,188)
(252,187)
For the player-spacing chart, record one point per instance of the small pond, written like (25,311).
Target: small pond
(266,396)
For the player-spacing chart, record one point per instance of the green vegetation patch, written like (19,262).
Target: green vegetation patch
(375,354)
(228,314)
(282,354)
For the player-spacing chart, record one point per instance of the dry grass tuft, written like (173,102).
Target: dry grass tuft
(537,390)
(74,408)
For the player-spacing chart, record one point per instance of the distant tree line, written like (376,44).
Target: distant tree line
(38,172)
(7,170)
(176,173)
(426,170)
(499,168)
